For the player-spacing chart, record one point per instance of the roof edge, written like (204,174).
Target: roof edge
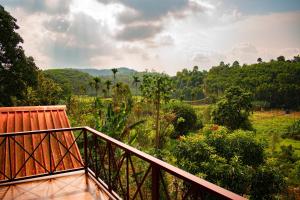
(32,108)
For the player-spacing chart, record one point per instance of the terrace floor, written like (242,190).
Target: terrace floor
(60,187)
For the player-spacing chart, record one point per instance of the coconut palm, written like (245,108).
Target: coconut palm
(108,84)
(135,82)
(114,70)
(97,82)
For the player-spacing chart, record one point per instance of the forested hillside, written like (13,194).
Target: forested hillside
(108,72)
(70,80)
(274,84)
(79,81)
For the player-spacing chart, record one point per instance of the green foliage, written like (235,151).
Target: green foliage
(116,122)
(244,145)
(185,118)
(17,72)
(121,94)
(238,143)
(71,81)
(293,131)
(156,88)
(295,174)
(266,182)
(233,109)
(276,82)
(47,92)
(232,160)
(189,84)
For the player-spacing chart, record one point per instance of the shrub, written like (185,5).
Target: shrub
(266,182)
(185,118)
(293,131)
(243,144)
(233,109)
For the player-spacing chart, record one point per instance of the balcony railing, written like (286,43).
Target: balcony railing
(123,171)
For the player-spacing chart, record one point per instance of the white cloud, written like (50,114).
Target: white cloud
(141,34)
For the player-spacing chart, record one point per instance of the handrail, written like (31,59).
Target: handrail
(201,183)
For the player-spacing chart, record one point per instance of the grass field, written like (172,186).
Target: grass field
(270,123)
(267,124)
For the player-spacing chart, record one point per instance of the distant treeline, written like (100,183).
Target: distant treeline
(273,84)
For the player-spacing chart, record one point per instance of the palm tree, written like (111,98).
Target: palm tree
(108,84)
(135,82)
(97,82)
(114,70)
(259,60)
(104,92)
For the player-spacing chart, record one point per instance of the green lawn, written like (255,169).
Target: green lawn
(270,123)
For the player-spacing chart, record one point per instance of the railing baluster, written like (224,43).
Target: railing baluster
(85,151)
(96,147)
(50,151)
(155,182)
(109,168)
(127,176)
(9,154)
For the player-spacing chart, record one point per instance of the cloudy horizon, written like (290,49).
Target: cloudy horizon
(166,36)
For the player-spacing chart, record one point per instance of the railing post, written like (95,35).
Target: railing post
(50,151)
(109,167)
(9,152)
(155,182)
(85,151)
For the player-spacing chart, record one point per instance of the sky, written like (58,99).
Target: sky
(161,35)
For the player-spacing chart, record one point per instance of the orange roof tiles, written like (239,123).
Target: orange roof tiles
(17,119)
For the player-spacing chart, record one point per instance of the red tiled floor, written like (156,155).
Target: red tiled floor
(69,187)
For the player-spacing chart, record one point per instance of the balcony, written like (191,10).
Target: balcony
(109,169)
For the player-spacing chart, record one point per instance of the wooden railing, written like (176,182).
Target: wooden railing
(122,170)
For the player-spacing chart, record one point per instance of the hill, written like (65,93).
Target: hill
(76,81)
(70,80)
(108,72)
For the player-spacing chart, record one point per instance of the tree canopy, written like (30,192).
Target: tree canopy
(233,109)
(16,70)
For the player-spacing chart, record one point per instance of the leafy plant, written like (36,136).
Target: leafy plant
(293,131)
(156,88)
(185,118)
(233,109)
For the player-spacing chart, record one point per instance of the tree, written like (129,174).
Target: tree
(259,60)
(121,94)
(156,88)
(235,64)
(185,118)
(108,84)
(281,58)
(114,71)
(96,84)
(296,58)
(17,72)
(233,109)
(135,82)
(229,160)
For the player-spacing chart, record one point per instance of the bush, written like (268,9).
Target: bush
(243,144)
(185,118)
(233,109)
(239,143)
(266,182)
(293,131)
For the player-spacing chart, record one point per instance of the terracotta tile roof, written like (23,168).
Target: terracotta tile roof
(16,119)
